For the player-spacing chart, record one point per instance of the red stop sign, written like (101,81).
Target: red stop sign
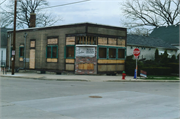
(136,52)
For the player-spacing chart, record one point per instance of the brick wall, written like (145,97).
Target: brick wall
(86,61)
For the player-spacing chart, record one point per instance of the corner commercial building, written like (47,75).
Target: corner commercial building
(83,48)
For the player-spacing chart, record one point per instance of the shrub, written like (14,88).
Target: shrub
(174,67)
(157,70)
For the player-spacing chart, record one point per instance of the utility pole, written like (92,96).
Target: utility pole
(14,38)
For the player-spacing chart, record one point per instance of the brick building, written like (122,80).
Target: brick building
(83,48)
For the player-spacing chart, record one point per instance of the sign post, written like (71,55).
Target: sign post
(136,53)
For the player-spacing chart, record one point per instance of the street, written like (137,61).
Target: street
(46,99)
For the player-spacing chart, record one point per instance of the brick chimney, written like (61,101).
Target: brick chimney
(32,20)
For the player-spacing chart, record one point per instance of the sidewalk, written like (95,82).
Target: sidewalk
(88,78)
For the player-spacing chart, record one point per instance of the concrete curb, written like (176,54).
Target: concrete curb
(44,78)
(86,80)
(142,81)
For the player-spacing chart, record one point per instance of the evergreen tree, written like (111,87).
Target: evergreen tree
(173,58)
(178,57)
(156,55)
(165,58)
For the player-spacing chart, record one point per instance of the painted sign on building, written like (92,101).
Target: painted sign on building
(85,51)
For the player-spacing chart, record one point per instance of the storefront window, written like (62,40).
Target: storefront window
(112,53)
(121,53)
(102,53)
(70,52)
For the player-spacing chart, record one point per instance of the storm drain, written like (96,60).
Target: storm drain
(95,96)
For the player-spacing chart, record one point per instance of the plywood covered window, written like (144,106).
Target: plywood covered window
(70,40)
(121,53)
(90,40)
(121,42)
(112,41)
(52,51)
(102,41)
(112,53)
(102,52)
(70,52)
(32,44)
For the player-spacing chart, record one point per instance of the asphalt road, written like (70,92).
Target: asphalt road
(45,99)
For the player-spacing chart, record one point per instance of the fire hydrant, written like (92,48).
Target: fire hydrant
(123,75)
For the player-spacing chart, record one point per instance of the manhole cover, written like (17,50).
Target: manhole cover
(95,96)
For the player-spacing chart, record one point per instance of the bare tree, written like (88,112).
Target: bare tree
(24,8)
(152,12)
(139,31)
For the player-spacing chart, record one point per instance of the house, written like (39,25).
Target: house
(3,45)
(169,34)
(148,45)
(83,48)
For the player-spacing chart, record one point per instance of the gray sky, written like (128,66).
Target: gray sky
(96,11)
(106,12)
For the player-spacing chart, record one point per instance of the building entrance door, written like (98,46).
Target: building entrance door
(32,55)
(32,59)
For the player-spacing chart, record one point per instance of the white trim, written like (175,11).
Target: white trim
(87,45)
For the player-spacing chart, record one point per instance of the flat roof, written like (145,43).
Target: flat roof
(70,25)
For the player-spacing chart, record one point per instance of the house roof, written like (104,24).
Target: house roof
(169,34)
(136,40)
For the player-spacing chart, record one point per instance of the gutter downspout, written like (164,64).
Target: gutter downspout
(10,52)
(25,36)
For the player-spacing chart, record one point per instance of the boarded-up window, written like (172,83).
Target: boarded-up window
(32,44)
(32,59)
(121,42)
(82,40)
(70,52)
(111,41)
(102,53)
(91,40)
(86,66)
(121,53)
(70,40)
(52,41)
(102,41)
(112,53)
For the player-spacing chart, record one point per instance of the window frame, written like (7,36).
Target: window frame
(115,52)
(51,51)
(66,49)
(107,52)
(20,51)
(124,53)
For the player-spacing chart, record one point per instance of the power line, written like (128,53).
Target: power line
(2,2)
(55,5)
(64,4)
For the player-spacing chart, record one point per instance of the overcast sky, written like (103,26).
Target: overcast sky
(106,12)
